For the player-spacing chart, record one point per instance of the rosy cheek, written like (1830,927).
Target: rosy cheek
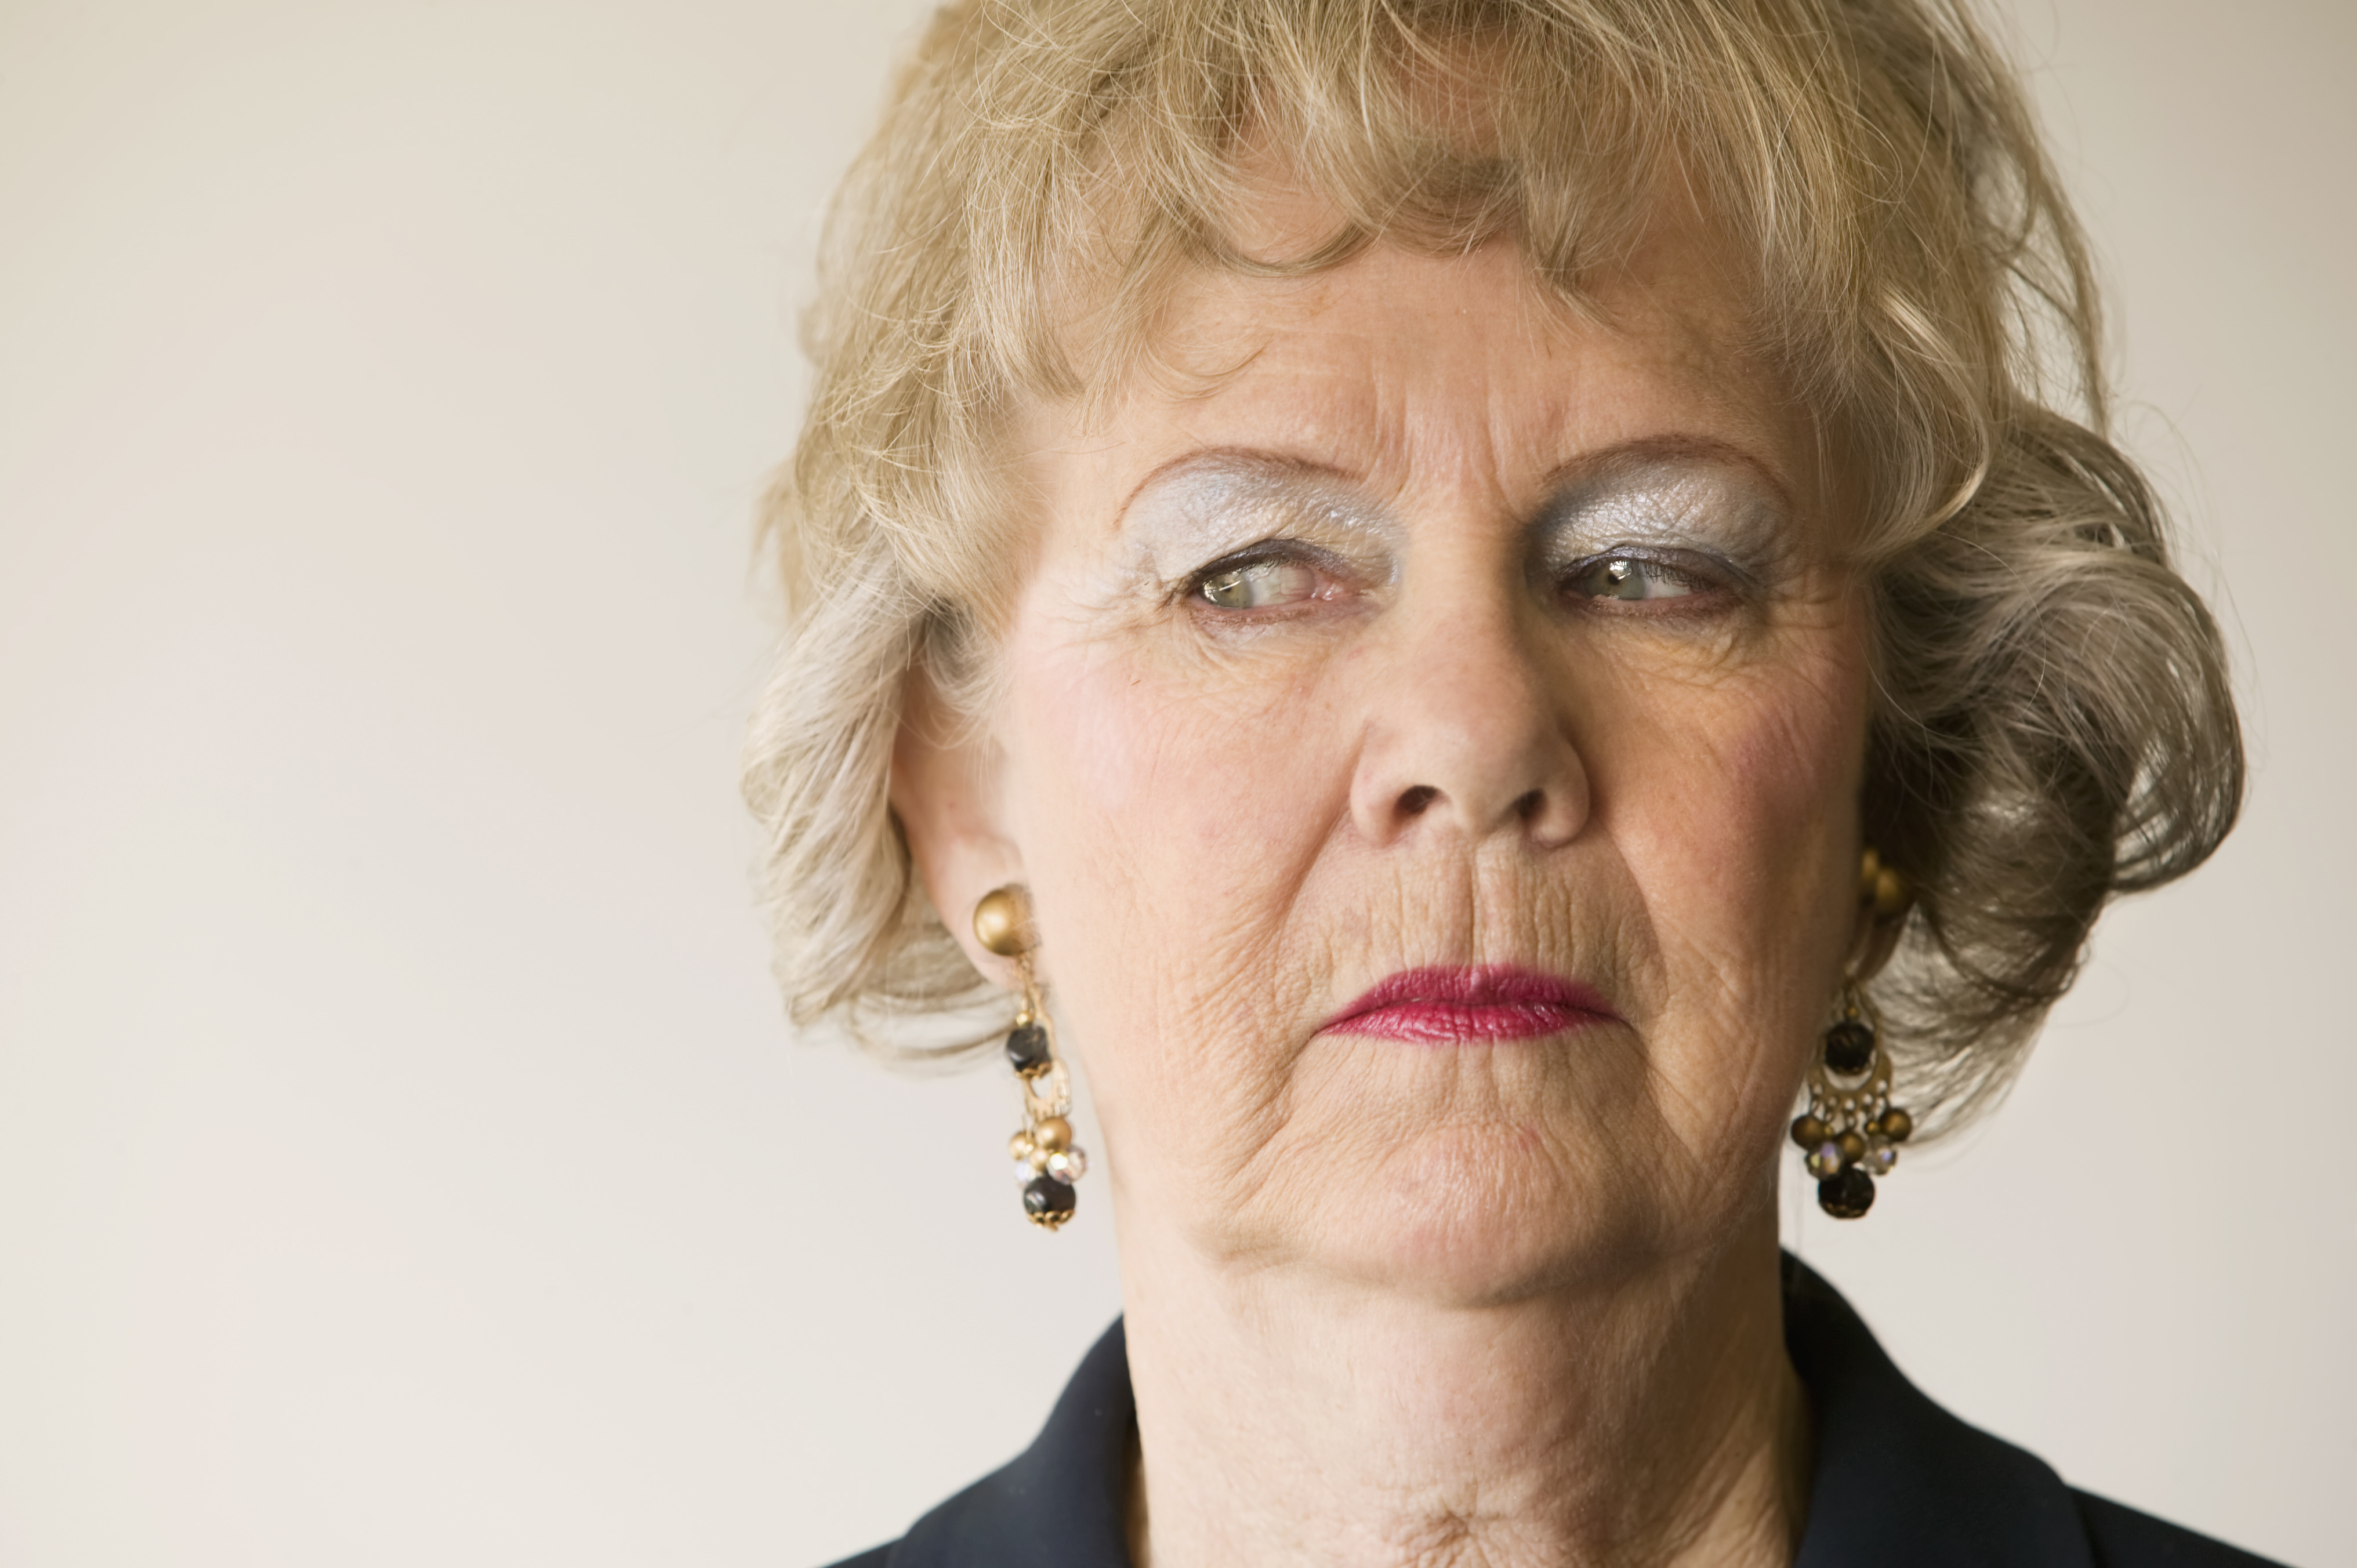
(1787,759)
(1219,779)
(1773,791)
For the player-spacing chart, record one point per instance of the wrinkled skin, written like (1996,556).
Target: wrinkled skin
(1435,626)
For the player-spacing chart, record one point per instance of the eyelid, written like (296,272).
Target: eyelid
(1707,564)
(1295,550)
(1723,524)
(1707,574)
(1193,519)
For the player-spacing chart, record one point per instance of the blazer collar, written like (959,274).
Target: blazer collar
(1898,1479)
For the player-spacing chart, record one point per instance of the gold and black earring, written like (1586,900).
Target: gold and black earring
(1046,1161)
(1851,1132)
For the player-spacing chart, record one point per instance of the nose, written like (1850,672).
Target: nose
(1466,733)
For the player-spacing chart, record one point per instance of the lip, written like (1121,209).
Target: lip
(1459,1005)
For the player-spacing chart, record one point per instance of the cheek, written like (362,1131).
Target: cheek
(1208,789)
(1769,781)
(1738,820)
(1168,823)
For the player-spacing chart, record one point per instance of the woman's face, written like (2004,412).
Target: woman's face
(1433,747)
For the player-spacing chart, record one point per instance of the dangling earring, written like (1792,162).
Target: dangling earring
(1046,1161)
(1851,1132)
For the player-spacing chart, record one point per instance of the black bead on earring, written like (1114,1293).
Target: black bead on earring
(1046,1161)
(1851,1132)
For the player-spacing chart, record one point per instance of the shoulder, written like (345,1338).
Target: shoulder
(1058,1505)
(876,1557)
(2123,1538)
(1900,1479)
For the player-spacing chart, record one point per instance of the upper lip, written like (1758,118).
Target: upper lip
(1486,985)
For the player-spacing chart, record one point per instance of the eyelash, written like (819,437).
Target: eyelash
(1704,586)
(1195,590)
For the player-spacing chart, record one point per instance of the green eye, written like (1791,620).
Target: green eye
(1260,585)
(1625,577)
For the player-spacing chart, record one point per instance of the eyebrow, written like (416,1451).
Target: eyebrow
(1665,451)
(1275,463)
(1603,464)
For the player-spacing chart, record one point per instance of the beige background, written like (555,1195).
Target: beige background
(401,1159)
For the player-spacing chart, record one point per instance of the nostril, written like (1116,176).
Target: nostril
(1530,805)
(1413,801)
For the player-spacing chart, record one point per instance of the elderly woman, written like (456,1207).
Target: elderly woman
(1491,615)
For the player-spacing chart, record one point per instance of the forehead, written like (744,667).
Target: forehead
(1402,369)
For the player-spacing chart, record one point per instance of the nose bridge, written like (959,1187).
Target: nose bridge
(1465,729)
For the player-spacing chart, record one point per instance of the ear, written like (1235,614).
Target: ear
(947,779)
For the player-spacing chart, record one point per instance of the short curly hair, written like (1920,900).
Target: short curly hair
(2052,719)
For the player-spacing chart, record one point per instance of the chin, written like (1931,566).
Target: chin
(1474,1219)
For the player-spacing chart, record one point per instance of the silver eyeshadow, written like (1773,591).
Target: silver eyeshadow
(1715,507)
(1186,518)
(1200,512)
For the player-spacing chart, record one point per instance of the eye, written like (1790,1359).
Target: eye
(1630,577)
(1260,584)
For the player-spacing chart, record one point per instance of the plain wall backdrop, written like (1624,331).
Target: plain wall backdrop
(402,1160)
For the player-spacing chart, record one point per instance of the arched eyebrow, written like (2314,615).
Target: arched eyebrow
(1644,453)
(1655,452)
(1601,465)
(1240,460)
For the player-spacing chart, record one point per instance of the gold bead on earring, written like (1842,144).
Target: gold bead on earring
(1882,885)
(1002,922)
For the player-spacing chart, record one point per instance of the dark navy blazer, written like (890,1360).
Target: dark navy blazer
(1898,1480)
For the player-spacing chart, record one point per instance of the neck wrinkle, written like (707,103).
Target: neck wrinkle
(1655,1423)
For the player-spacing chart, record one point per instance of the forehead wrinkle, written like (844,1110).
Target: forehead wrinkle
(1372,418)
(1341,399)
(1367,377)
(1285,437)
(1400,427)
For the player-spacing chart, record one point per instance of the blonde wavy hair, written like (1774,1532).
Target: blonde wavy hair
(2053,723)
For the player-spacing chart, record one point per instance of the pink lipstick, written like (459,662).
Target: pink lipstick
(1455,1006)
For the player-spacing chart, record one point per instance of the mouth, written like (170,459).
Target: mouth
(1455,1006)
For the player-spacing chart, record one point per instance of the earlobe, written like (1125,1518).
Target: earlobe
(945,793)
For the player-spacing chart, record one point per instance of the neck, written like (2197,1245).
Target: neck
(1653,1421)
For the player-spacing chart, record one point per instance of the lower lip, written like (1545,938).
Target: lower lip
(1444,1006)
(1450,1022)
